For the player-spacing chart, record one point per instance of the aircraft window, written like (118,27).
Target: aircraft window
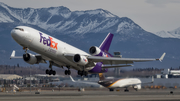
(19,29)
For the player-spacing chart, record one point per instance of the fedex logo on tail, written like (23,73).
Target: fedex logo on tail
(48,41)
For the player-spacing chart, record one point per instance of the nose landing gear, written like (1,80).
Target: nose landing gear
(25,48)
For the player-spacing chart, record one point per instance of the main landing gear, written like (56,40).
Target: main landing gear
(126,90)
(50,71)
(67,72)
(111,89)
(82,73)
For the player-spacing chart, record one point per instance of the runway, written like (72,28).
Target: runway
(143,95)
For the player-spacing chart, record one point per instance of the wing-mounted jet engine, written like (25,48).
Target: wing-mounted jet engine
(80,60)
(30,58)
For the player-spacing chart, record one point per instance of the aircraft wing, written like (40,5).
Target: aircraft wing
(115,60)
(40,58)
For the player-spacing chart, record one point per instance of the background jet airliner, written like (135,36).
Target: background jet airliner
(112,84)
(61,54)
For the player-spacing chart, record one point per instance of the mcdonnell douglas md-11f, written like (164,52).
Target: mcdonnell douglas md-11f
(61,54)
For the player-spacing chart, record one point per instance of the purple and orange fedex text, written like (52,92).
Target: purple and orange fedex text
(48,41)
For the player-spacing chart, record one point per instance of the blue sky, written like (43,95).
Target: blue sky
(151,15)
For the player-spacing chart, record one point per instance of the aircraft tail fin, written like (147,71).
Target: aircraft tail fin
(106,43)
(101,76)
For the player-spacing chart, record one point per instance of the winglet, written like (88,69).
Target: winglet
(13,54)
(162,57)
(72,78)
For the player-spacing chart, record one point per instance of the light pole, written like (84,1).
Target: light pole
(30,78)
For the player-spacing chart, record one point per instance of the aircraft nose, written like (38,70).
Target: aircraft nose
(13,32)
(16,33)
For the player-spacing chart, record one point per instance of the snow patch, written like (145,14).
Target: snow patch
(79,13)
(84,29)
(66,15)
(107,25)
(54,11)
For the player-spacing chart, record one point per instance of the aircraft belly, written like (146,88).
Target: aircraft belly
(55,56)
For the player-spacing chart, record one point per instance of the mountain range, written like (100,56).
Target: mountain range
(169,34)
(84,29)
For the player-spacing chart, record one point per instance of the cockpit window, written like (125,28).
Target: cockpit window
(19,29)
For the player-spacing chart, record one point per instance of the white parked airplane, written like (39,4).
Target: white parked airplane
(61,54)
(112,84)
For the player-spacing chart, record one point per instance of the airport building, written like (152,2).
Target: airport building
(168,73)
(9,76)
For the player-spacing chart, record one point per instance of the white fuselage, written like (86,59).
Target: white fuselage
(39,42)
(121,83)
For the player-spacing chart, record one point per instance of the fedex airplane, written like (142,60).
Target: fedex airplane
(61,54)
(112,84)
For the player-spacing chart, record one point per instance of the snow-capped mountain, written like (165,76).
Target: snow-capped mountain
(84,29)
(169,34)
(61,19)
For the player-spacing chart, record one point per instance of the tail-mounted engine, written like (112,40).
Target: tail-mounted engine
(80,60)
(30,58)
(94,51)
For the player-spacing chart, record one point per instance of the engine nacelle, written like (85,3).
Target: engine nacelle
(137,87)
(80,60)
(30,58)
(94,50)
